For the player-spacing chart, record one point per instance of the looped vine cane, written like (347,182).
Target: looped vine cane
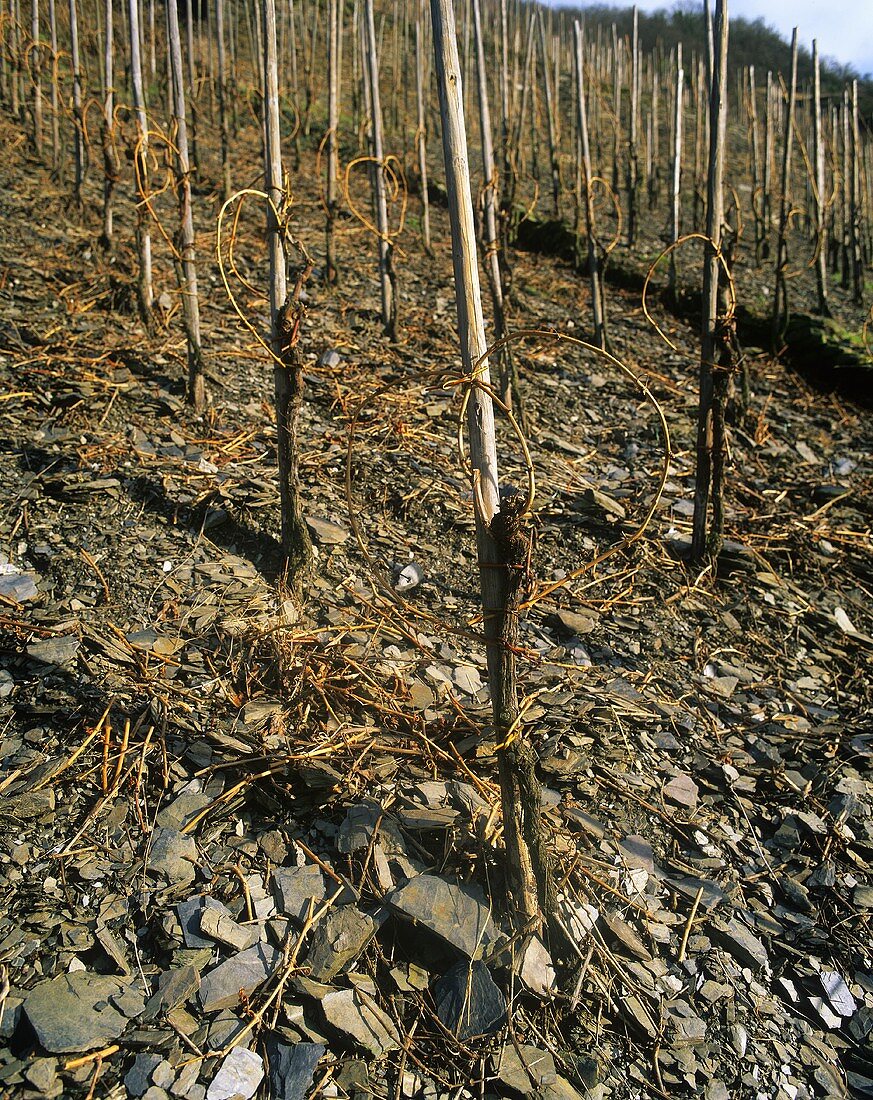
(732,302)
(398,188)
(380,578)
(282,216)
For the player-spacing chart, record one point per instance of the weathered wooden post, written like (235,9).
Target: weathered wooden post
(714,349)
(421,135)
(285,319)
(186,264)
(380,198)
(332,159)
(529,884)
(598,309)
(221,80)
(78,116)
(675,189)
(821,274)
(140,172)
(780,290)
(490,239)
(111,167)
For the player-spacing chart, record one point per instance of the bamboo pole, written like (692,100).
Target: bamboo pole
(186,264)
(285,320)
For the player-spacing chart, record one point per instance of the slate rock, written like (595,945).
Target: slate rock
(42,1074)
(682,790)
(622,935)
(19,586)
(292,1068)
(71,1013)
(738,941)
(174,988)
(338,939)
(189,913)
(325,532)
(240,1074)
(452,912)
(60,650)
(561,1090)
(358,1016)
(572,623)
(525,1069)
(173,855)
(222,928)
(330,358)
(220,988)
(468,1001)
(30,804)
(294,888)
(535,967)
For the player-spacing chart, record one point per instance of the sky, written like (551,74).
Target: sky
(844,28)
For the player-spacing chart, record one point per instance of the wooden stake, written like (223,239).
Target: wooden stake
(780,292)
(675,190)
(821,275)
(332,159)
(186,265)
(221,80)
(594,265)
(143,233)
(712,341)
(286,315)
(380,199)
(520,797)
(421,136)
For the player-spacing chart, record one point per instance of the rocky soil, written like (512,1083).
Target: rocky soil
(246,852)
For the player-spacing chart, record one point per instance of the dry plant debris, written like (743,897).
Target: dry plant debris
(247,853)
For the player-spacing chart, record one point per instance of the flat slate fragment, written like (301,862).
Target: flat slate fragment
(361,1019)
(292,1067)
(296,889)
(55,651)
(338,940)
(72,1014)
(173,855)
(469,1002)
(525,1069)
(450,911)
(220,988)
(240,1074)
(738,941)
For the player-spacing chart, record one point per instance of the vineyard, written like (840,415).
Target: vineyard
(435,579)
